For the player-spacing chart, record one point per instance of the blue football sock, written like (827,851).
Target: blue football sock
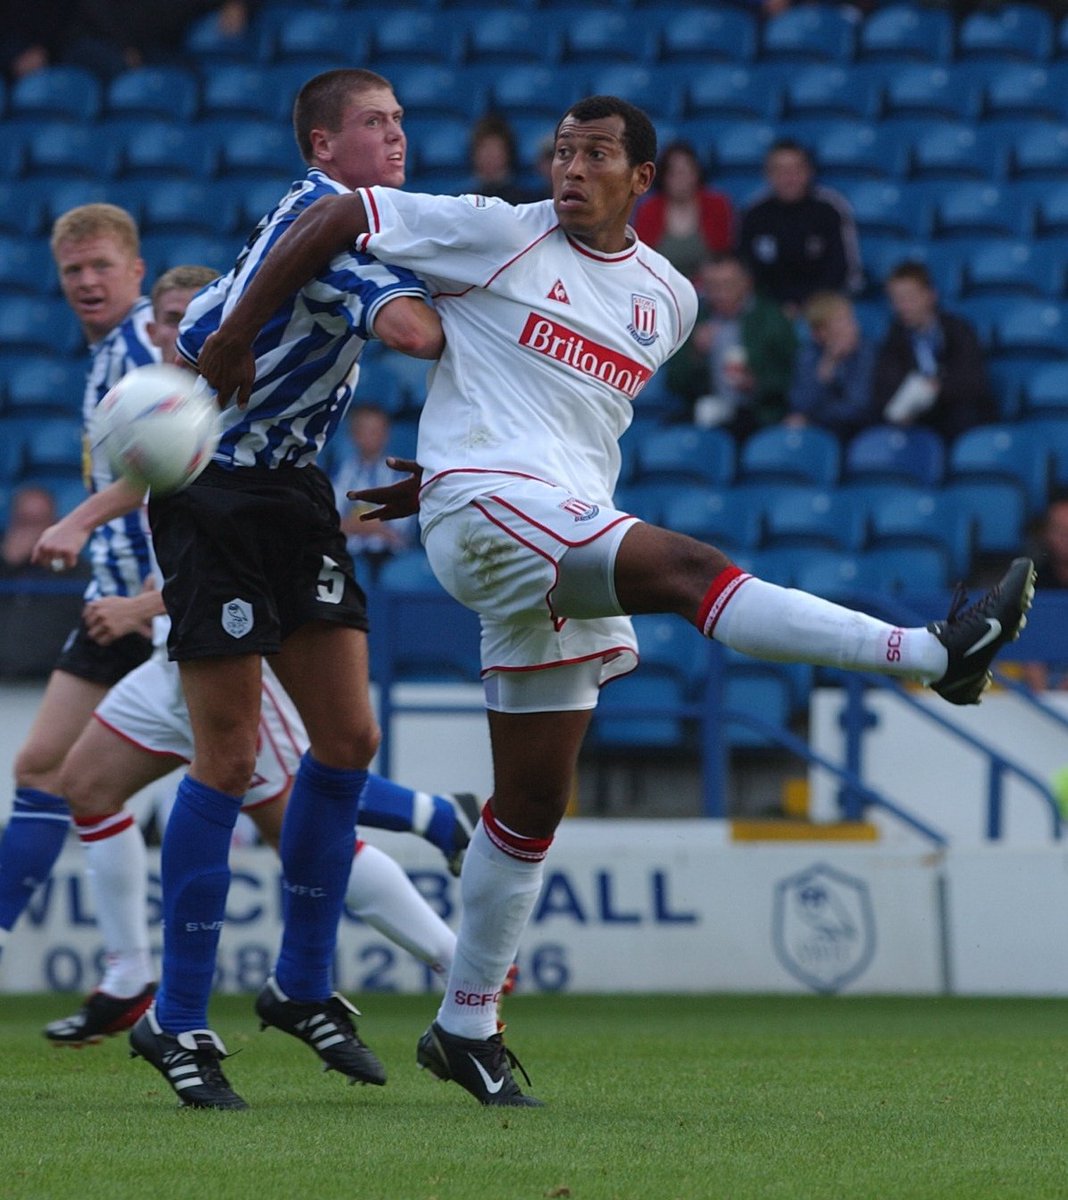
(29,848)
(316,851)
(196,876)
(386,805)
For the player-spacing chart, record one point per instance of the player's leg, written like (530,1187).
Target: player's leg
(446,821)
(37,829)
(323,667)
(100,773)
(657,570)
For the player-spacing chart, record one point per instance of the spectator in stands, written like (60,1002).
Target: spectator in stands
(494,159)
(29,35)
(735,369)
(930,368)
(1051,561)
(363,465)
(833,378)
(33,509)
(681,217)
(799,238)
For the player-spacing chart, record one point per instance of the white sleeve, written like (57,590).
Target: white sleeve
(450,241)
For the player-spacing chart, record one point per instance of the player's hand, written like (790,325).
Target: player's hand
(227,363)
(395,500)
(59,546)
(113,617)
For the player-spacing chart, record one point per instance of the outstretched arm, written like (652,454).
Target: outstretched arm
(323,230)
(60,544)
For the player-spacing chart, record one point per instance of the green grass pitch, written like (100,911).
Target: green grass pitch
(658,1098)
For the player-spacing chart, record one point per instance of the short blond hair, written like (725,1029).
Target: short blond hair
(182,277)
(821,306)
(97,220)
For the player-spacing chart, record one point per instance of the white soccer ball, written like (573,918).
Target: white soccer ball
(158,426)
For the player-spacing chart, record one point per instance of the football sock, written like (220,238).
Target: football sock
(31,843)
(316,853)
(785,625)
(381,894)
(116,869)
(386,805)
(499,886)
(195,870)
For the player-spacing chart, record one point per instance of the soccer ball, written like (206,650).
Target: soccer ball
(158,427)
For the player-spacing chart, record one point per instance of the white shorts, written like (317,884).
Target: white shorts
(507,556)
(147,708)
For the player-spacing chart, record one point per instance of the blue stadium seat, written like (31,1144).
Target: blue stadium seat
(900,32)
(1051,433)
(911,568)
(26,266)
(170,93)
(761,690)
(1008,378)
(931,89)
(162,148)
(885,452)
(161,251)
(725,517)
(243,90)
(38,325)
(809,33)
(955,150)
(186,206)
(739,147)
(645,86)
(1030,327)
(25,206)
(780,452)
(704,35)
(13,433)
(606,35)
(442,89)
(509,36)
(782,564)
(972,207)
(734,90)
(45,385)
(536,88)
(1049,207)
(642,711)
(666,646)
(440,144)
(649,498)
(1039,151)
(249,147)
(1018,31)
(314,36)
(1007,452)
(1045,390)
(1013,266)
(846,577)
(682,452)
(1026,90)
(831,90)
(812,516)
(68,148)
(861,150)
(55,444)
(927,518)
(58,91)
(208,44)
(413,36)
(882,252)
(997,510)
(884,206)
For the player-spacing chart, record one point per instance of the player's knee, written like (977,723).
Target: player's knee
(229,771)
(349,748)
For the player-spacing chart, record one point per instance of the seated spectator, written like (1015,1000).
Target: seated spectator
(735,368)
(1050,553)
(834,374)
(363,465)
(683,219)
(33,509)
(494,161)
(930,368)
(799,238)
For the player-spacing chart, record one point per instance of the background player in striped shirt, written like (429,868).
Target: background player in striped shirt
(97,254)
(555,316)
(255,563)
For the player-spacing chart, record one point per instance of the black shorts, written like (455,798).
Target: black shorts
(86,659)
(248,556)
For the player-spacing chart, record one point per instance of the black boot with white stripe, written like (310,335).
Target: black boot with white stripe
(188,1061)
(326,1026)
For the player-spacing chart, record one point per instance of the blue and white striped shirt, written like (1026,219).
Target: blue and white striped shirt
(307,355)
(120,552)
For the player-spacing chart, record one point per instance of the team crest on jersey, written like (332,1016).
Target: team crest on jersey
(237,617)
(581,510)
(559,292)
(642,325)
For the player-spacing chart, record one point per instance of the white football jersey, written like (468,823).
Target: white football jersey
(547,341)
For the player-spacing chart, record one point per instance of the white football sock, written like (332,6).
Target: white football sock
(382,894)
(116,869)
(498,894)
(785,625)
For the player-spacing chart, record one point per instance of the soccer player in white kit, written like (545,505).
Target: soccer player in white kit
(555,315)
